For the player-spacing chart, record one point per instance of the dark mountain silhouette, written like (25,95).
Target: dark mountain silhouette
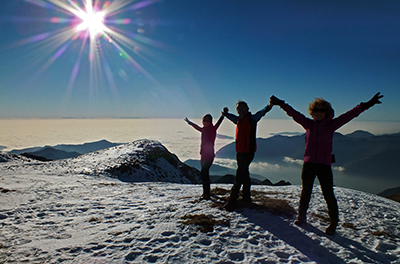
(63,151)
(35,157)
(49,153)
(230,178)
(87,147)
(391,191)
(270,149)
(359,153)
(360,134)
(217,171)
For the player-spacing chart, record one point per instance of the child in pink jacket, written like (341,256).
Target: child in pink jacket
(207,153)
(318,148)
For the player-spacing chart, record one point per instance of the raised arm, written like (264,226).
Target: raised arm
(297,116)
(221,118)
(195,126)
(230,116)
(257,116)
(356,111)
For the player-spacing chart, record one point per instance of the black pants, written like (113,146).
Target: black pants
(205,174)
(325,178)
(242,176)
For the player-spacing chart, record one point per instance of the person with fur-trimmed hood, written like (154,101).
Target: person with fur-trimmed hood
(318,147)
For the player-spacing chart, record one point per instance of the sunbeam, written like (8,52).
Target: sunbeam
(99,27)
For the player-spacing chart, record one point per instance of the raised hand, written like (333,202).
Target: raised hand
(373,101)
(276,101)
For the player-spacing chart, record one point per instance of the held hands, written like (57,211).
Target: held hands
(373,101)
(276,101)
(225,111)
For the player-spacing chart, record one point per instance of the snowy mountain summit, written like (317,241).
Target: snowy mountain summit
(140,161)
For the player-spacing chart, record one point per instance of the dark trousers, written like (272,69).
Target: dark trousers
(205,174)
(325,178)
(242,176)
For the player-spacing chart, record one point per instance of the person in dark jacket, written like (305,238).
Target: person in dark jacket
(245,143)
(207,153)
(318,148)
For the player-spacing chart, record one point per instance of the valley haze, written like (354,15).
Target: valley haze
(182,140)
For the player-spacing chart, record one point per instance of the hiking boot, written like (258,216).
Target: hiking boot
(229,206)
(205,197)
(247,201)
(331,229)
(301,219)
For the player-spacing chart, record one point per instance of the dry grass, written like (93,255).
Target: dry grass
(261,201)
(219,191)
(205,222)
(380,233)
(94,219)
(324,218)
(349,225)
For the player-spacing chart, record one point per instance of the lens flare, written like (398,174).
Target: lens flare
(93,22)
(94,28)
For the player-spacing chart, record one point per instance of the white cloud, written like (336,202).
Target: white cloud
(230,163)
(264,166)
(293,161)
(338,168)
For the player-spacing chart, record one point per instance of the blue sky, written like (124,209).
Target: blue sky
(189,58)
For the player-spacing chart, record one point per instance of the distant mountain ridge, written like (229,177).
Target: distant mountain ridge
(392,193)
(359,153)
(63,151)
(220,174)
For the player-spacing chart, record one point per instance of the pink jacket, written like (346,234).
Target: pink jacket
(208,136)
(319,135)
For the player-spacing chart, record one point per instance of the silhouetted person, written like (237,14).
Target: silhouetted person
(245,142)
(318,148)
(207,153)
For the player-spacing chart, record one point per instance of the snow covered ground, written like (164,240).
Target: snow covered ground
(52,214)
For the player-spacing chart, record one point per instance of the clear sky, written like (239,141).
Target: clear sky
(177,58)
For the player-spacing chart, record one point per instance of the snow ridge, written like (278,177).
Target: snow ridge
(139,161)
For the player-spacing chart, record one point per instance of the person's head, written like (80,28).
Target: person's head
(207,120)
(319,109)
(242,108)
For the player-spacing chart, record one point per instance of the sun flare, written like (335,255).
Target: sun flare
(93,22)
(109,33)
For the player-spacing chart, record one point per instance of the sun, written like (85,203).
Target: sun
(108,32)
(92,21)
